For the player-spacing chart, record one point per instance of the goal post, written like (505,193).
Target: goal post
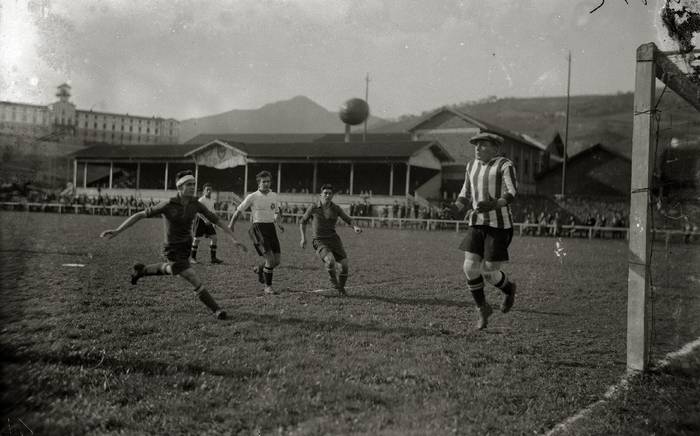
(651,64)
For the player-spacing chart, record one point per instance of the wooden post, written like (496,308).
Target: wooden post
(75,173)
(138,176)
(315,179)
(111,172)
(352,177)
(245,180)
(639,231)
(166,177)
(196,177)
(408,178)
(391,179)
(279,177)
(85,175)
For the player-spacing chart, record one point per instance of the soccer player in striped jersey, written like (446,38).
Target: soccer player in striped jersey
(178,213)
(203,228)
(490,185)
(265,209)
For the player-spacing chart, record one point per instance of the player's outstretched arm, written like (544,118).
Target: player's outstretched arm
(109,234)
(344,216)
(222,224)
(302,232)
(278,220)
(233,219)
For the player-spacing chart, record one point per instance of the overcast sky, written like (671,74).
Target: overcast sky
(186,59)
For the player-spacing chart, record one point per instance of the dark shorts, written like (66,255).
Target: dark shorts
(327,246)
(264,237)
(204,229)
(488,242)
(179,256)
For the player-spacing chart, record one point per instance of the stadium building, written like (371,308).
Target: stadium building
(61,121)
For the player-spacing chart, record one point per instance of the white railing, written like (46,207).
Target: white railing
(429,224)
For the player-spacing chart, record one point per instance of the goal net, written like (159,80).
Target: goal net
(664,241)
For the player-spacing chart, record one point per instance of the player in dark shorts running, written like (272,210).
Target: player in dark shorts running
(178,214)
(266,214)
(325,240)
(203,228)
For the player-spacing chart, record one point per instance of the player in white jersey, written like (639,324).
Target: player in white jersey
(490,185)
(265,214)
(205,229)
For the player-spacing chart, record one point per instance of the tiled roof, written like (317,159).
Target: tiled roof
(308,150)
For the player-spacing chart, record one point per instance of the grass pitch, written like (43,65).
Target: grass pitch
(85,352)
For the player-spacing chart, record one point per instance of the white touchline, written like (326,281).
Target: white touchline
(614,390)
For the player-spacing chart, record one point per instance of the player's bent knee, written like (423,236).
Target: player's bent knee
(491,266)
(471,268)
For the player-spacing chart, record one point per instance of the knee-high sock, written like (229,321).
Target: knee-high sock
(267,272)
(193,254)
(156,269)
(342,279)
(330,269)
(206,298)
(476,287)
(499,280)
(212,250)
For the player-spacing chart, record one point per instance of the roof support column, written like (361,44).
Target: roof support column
(391,178)
(75,173)
(352,177)
(85,175)
(408,178)
(313,185)
(111,173)
(138,176)
(245,180)
(279,177)
(196,177)
(166,176)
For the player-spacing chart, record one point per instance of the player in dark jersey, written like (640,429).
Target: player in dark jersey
(490,185)
(325,240)
(178,213)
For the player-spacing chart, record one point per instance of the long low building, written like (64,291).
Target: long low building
(380,172)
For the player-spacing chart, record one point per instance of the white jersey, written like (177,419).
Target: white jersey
(209,203)
(263,207)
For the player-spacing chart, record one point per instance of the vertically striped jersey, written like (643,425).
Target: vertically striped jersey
(490,181)
(263,207)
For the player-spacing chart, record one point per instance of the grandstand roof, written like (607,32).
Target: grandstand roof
(334,150)
(306,150)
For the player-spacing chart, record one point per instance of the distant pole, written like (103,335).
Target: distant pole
(566,131)
(364,134)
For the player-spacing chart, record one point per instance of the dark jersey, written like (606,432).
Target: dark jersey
(179,218)
(324,219)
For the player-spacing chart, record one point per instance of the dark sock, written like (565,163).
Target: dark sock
(267,272)
(206,298)
(342,279)
(194,252)
(476,287)
(332,275)
(213,251)
(155,269)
